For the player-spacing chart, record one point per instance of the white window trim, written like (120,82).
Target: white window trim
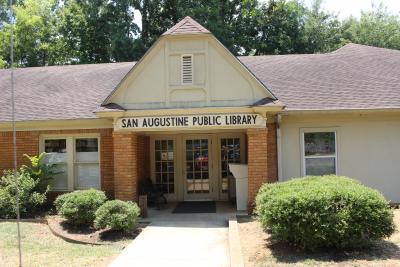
(182,56)
(302,147)
(71,156)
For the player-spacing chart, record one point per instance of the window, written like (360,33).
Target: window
(230,153)
(319,153)
(164,165)
(87,169)
(77,161)
(56,150)
(187,69)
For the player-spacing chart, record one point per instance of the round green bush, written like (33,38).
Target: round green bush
(79,207)
(324,211)
(117,215)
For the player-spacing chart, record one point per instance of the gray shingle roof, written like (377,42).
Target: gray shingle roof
(186,26)
(59,92)
(353,77)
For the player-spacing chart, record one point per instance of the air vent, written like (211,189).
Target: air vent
(187,69)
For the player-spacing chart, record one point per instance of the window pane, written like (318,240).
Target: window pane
(60,180)
(164,165)
(87,150)
(320,166)
(56,153)
(87,176)
(55,146)
(230,153)
(319,144)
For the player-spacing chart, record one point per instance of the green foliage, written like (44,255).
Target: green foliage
(378,27)
(327,211)
(79,207)
(52,32)
(117,215)
(40,171)
(30,199)
(33,188)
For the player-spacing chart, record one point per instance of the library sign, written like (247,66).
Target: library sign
(175,122)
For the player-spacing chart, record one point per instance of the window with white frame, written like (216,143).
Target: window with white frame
(319,152)
(77,161)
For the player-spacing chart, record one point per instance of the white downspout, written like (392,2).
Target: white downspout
(279,146)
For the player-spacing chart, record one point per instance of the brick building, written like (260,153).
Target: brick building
(189,107)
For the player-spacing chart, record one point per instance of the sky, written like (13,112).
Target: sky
(345,8)
(342,8)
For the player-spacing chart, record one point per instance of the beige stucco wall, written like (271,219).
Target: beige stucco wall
(219,78)
(368,147)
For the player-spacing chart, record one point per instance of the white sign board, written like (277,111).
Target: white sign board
(174,122)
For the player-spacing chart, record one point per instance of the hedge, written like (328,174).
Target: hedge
(324,211)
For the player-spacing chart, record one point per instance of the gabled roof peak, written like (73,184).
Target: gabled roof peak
(186,26)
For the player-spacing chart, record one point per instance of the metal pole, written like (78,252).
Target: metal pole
(14,131)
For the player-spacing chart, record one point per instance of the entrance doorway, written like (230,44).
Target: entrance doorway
(194,166)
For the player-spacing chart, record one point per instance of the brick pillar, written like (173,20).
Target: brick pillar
(257,161)
(262,159)
(126,166)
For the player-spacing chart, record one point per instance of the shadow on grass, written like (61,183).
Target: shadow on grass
(378,250)
(115,236)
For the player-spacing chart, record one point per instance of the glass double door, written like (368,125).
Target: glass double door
(198,175)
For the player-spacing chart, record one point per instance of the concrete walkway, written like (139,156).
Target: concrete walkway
(179,240)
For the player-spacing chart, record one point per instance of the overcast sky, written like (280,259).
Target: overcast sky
(343,8)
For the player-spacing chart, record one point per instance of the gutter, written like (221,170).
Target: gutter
(279,145)
(335,111)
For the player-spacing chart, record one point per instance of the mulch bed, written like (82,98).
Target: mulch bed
(88,235)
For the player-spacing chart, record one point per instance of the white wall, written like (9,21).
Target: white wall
(368,147)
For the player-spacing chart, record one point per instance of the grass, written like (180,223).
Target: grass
(258,250)
(41,248)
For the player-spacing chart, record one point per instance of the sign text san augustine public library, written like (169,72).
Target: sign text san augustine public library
(192,121)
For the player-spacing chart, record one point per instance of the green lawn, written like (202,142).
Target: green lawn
(41,248)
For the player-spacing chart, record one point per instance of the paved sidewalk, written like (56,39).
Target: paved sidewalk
(183,241)
(198,239)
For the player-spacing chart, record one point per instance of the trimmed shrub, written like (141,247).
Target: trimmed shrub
(30,200)
(117,215)
(79,207)
(324,211)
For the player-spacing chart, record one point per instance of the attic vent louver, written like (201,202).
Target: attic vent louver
(187,69)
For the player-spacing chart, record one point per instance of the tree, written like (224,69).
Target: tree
(281,26)
(55,32)
(322,30)
(231,21)
(98,30)
(32,31)
(378,27)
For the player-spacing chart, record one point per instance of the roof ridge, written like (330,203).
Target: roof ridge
(73,65)
(351,44)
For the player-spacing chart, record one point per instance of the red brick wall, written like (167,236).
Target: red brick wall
(262,159)
(130,164)
(28,143)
